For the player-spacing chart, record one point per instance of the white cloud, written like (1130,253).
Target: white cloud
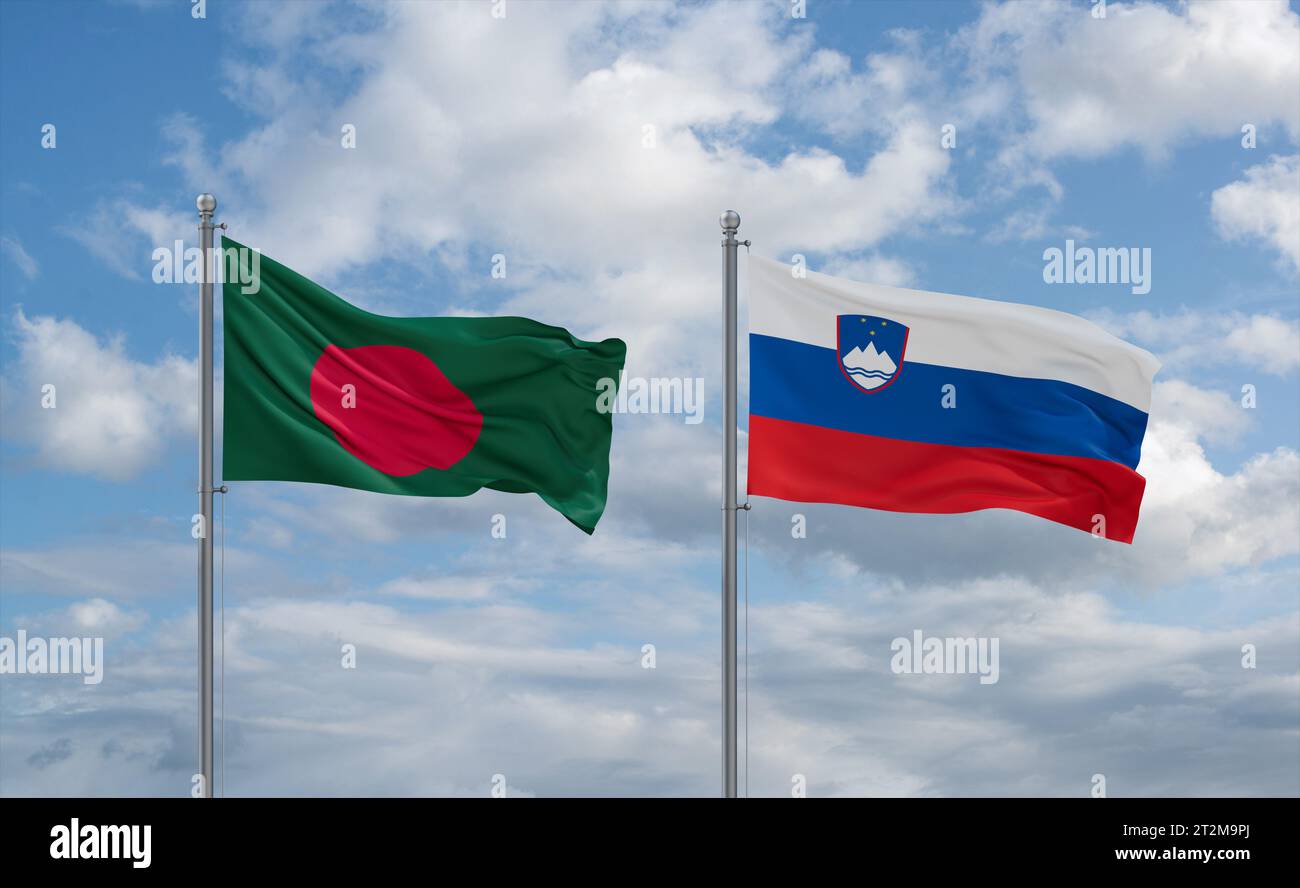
(1206,520)
(1074,672)
(1146,75)
(883,93)
(446,588)
(146,561)
(269,532)
(86,618)
(113,415)
(1265,206)
(1188,339)
(1082,688)
(18,255)
(1214,416)
(1027,223)
(1267,342)
(596,222)
(123,234)
(100,617)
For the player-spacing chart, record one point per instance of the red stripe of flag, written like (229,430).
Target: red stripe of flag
(807,463)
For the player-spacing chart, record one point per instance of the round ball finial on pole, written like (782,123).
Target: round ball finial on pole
(206,203)
(729,220)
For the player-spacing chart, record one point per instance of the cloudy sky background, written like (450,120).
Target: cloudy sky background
(525,135)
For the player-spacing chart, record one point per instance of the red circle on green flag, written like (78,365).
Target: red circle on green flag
(393,409)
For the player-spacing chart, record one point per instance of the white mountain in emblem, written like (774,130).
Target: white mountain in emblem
(869,368)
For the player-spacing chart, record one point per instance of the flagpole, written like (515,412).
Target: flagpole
(207,204)
(730,222)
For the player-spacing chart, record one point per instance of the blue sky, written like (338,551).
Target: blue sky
(524,135)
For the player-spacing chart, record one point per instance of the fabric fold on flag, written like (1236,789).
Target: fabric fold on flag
(910,401)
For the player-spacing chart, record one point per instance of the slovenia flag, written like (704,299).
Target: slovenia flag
(910,401)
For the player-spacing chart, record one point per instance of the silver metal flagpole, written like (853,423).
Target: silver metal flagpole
(206,204)
(730,221)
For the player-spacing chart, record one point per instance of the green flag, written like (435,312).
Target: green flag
(318,390)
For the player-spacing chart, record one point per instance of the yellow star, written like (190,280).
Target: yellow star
(873,332)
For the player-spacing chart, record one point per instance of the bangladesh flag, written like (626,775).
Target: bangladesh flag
(318,390)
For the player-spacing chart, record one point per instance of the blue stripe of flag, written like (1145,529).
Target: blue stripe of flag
(804,383)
